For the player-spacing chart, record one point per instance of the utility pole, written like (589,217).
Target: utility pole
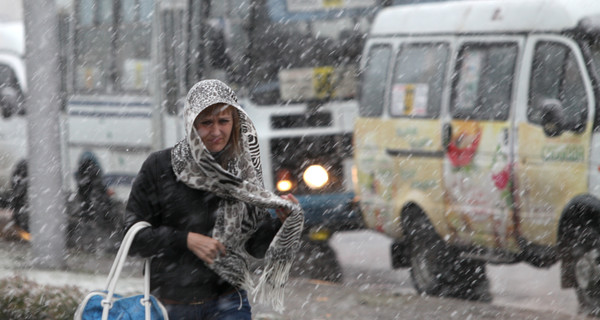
(46,199)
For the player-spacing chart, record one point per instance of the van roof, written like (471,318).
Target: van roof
(482,16)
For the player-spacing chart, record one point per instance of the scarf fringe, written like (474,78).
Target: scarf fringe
(271,285)
(234,269)
(248,283)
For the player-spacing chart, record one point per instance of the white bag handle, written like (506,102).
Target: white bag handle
(117,266)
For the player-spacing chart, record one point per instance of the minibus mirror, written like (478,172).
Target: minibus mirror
(9,102)
(552,117)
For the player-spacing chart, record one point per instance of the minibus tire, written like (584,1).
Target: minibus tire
(436,268)
(587,256)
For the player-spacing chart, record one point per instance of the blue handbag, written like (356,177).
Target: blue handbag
(107,305)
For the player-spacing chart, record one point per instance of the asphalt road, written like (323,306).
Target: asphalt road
(365,258)
(313,300)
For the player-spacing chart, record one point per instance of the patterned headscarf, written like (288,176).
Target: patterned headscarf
(238,184)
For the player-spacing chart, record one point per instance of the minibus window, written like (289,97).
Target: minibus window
(484,80)
(556,75)
(546,74)
(418,80)
(373,81)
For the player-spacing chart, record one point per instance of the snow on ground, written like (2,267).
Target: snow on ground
(517,285)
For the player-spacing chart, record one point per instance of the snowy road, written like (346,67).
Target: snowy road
(365,258)
(368,281)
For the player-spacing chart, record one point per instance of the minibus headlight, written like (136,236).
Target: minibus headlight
(315,176)
(285,183)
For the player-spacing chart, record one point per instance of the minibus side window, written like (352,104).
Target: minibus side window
(556,75)
(483,83)
(373,81)
(418,80)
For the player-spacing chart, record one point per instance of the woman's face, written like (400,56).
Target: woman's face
(214,126)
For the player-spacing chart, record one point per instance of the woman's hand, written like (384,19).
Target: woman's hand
(282,213)
(205,248)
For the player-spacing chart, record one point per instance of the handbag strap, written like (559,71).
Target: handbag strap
(117,267)
(146,302)
(121,256)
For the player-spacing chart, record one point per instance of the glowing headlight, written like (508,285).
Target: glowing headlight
(284,185)
(315,176)
(284,180)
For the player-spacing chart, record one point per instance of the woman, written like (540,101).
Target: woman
(205,200)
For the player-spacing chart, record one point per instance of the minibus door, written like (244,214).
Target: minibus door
(369,155)
(477,170)
(554,134)
(398,149)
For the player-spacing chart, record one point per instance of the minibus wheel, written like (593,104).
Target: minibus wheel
(436,267)
(587,271)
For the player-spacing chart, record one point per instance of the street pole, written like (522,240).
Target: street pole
(47,202)
(157,83)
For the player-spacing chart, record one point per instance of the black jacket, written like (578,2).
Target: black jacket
(174,209)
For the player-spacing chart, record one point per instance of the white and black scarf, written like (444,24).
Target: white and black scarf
(239,184)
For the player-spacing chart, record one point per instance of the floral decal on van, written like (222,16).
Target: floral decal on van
(501,174)
(501,178)
(463,144)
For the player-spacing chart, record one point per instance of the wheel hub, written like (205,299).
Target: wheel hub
(587,269)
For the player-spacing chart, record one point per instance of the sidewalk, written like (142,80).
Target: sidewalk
(85,270)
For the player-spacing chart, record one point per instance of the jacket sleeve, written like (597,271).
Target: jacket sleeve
(258,244)
(144,205)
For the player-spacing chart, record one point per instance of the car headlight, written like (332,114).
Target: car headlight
(315,176)
(284,185)
(285,182)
